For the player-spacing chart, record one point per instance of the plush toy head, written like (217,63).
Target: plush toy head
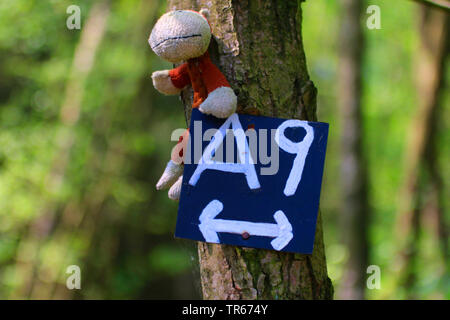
(180,35)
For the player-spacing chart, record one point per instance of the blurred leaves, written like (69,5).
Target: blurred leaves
(389,103)
(92,202)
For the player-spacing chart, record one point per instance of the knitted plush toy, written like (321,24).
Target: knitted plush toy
(184,36)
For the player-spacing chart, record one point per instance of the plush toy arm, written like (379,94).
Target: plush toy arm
(163,83)
(220,103)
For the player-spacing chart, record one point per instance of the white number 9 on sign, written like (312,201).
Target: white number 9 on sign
(301,149)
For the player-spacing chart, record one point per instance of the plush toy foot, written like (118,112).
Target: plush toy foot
(171,173)
(175,190)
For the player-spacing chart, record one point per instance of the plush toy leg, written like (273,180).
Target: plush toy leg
(172,172)
(175,190)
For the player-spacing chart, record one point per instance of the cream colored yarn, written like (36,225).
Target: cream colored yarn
(221,103)
(163,83)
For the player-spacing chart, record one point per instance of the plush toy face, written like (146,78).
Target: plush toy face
(180,35)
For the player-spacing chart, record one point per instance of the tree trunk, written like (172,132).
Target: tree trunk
(258,46)
(355,206)
(421,167)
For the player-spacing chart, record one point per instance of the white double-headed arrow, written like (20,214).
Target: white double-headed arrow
(209,227)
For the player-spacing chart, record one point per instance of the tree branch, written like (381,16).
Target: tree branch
(442,4)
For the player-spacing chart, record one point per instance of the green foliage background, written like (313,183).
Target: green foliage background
(92,202)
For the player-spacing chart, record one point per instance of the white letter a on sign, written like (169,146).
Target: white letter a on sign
(246,165)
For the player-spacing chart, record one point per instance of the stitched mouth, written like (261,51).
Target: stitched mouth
(176,38)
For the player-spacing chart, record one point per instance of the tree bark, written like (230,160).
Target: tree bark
(355,206)
(258,46)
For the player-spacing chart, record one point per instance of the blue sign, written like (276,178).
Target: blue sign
(252,181)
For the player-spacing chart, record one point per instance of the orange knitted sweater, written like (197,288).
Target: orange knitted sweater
(202,74)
